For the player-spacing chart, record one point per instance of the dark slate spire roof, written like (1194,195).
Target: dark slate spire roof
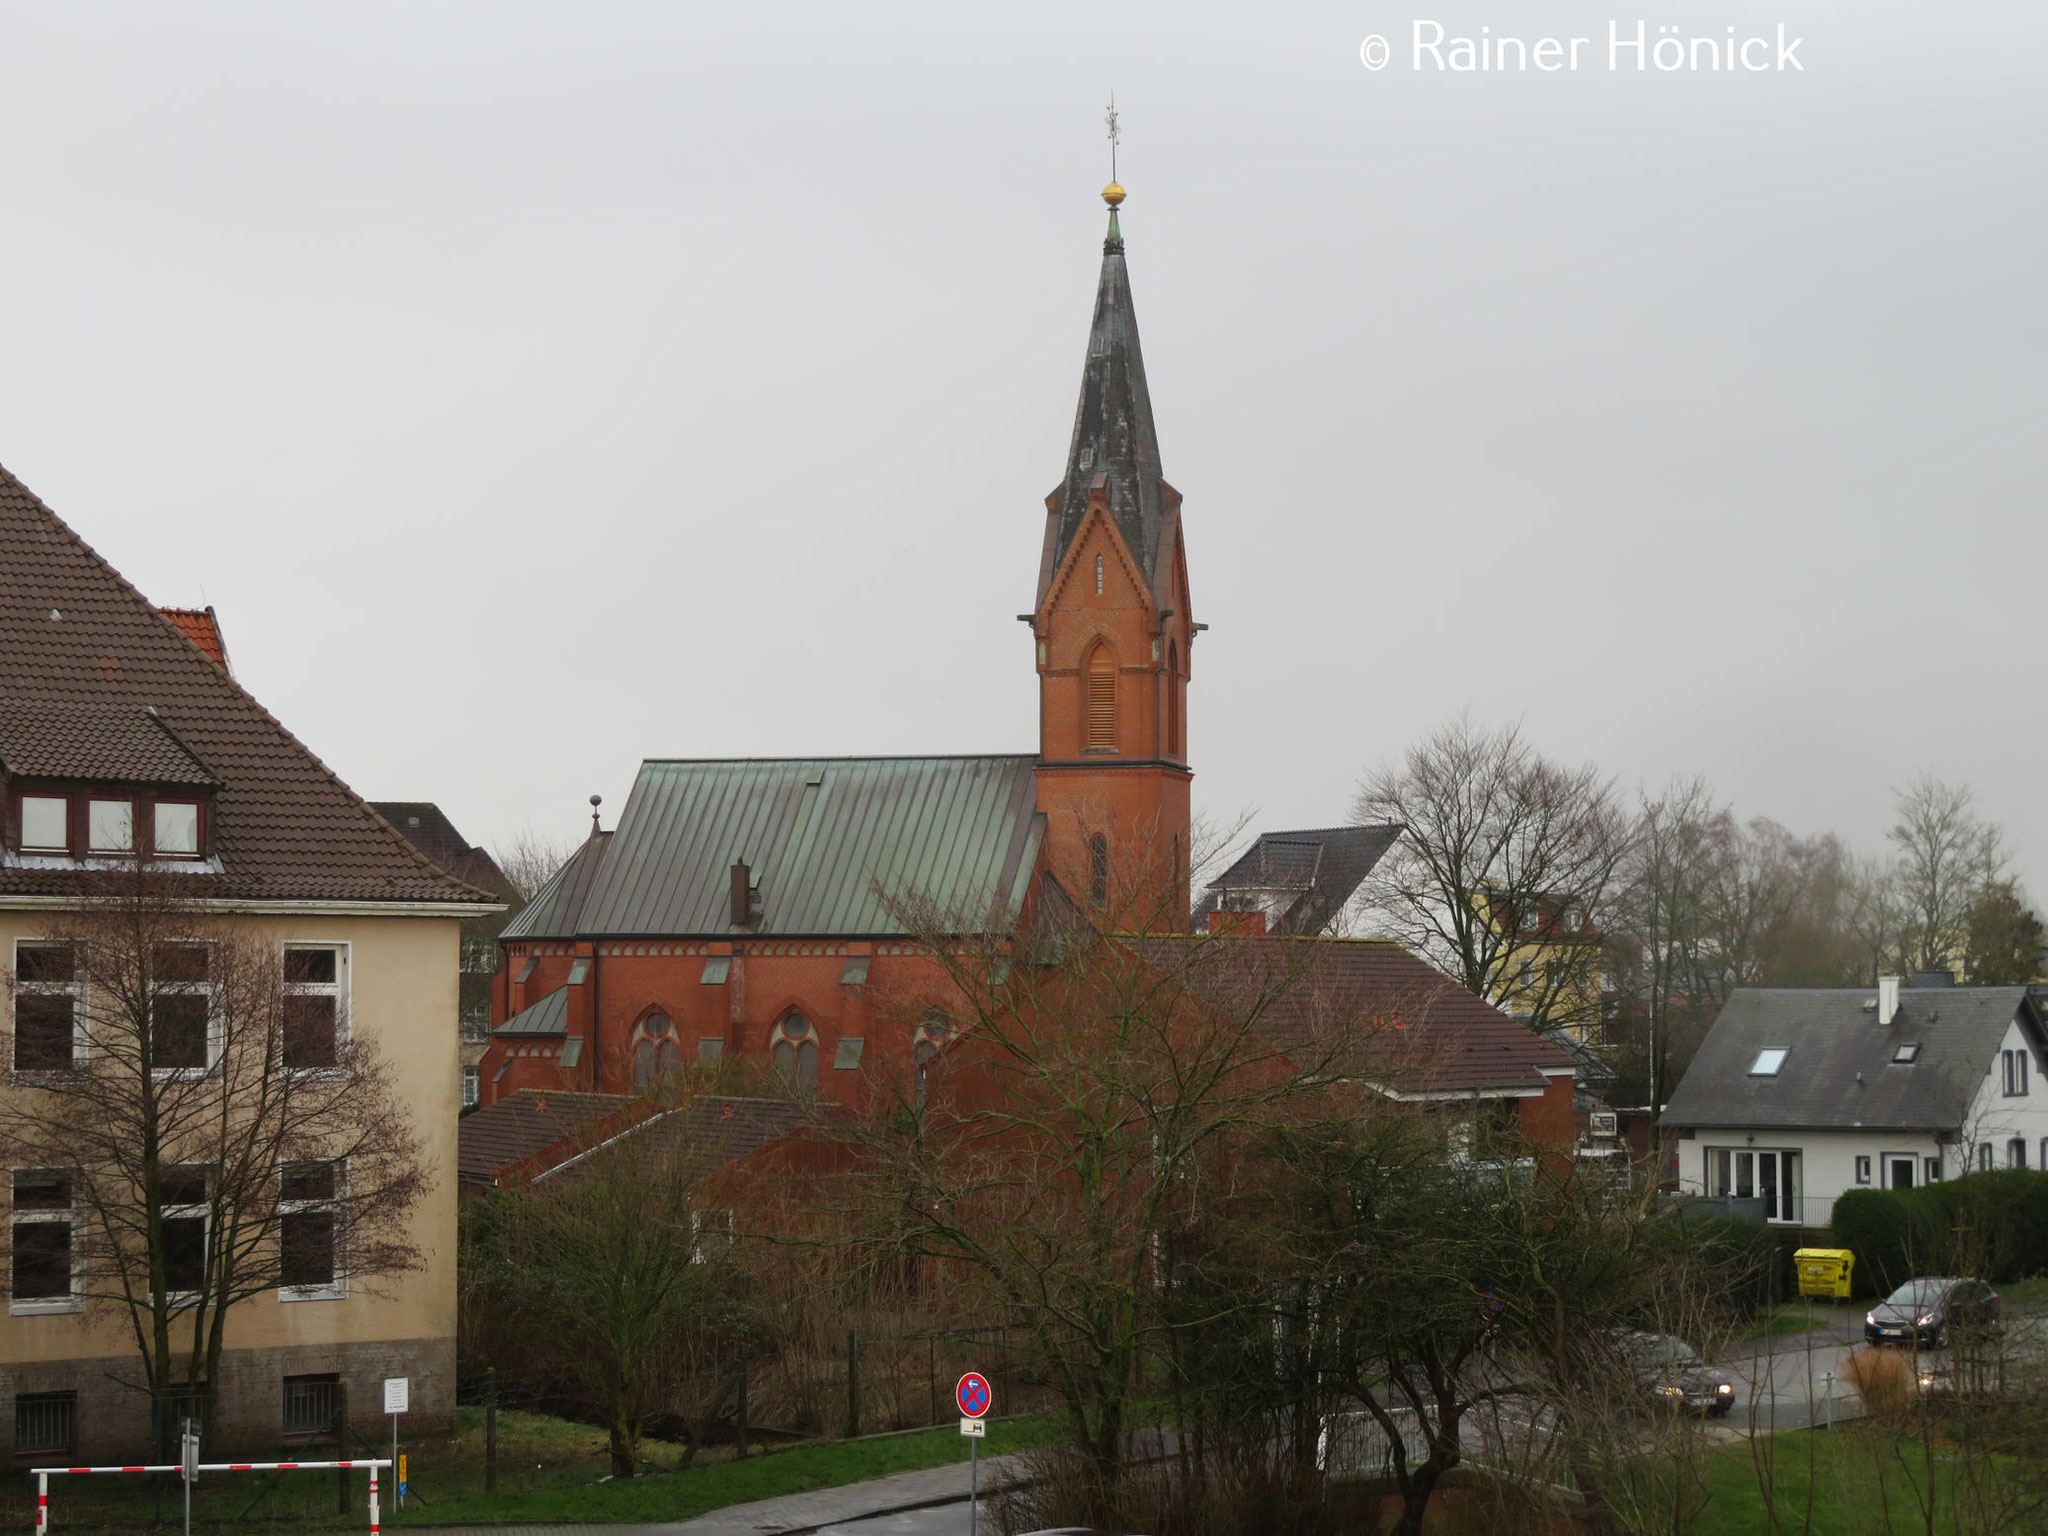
(1114,439)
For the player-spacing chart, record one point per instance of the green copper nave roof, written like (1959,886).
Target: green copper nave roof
(827,840)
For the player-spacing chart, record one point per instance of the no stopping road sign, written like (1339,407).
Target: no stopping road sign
(973,1395)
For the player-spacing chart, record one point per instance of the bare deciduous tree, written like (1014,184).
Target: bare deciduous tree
(1504,874)
(187,1089)
(1946,855)
(614,1266)
(530,859)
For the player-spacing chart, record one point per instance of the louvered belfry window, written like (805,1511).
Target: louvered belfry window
(1099,703)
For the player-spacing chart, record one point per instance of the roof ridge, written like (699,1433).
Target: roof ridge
(861,757)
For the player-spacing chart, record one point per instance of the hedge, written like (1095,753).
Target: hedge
(1992,1224)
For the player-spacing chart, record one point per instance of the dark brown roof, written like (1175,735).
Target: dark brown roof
(74,633)
(1430,1035)
(202,628)
(427,827)
(533,1131)
(125,743)
(1302,878)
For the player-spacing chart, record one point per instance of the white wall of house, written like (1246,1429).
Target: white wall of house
(1829,1163)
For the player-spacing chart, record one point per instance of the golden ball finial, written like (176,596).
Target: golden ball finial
(1113,194)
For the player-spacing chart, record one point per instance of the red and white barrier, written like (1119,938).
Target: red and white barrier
(44,1474)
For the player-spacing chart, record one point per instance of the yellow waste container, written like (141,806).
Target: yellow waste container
(1824,1271)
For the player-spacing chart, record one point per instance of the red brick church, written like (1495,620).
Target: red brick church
(741,907)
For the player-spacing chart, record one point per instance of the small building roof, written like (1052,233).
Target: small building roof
(427,827)
(1840,1069)
(828,841)
(1310,874)
(1432,1037)
(549,1016)
(532,1132)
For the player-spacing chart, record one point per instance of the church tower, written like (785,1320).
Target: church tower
(1114,631)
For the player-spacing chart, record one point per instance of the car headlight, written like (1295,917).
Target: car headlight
(1924,1320)
(1725,1390)
(1674,1391)
(1870,1318)
(1926,1381)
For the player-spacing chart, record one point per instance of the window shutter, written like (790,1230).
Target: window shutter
(1101,701)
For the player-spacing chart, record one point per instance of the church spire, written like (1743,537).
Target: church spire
(1115,447)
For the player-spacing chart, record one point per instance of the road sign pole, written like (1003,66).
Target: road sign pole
(973,1484)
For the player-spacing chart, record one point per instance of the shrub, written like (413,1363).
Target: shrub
(1993,1224)
(1882,1378)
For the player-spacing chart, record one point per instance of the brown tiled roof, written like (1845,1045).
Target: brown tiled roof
(122,742)
(1429,1035)
(202,628)
(533,1131)
(74,633)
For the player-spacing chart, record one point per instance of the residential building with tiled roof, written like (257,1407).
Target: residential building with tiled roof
(126,743)
(1800,1094)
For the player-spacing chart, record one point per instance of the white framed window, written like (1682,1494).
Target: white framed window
(49,1012)
(2016,1152)
(183,1033)
(46,1274)
(110,826)
(309,1232)
(186,1209)
(1863,1170)
(1771,1175)
(315,1006)
(1984,1163)
(45,824)
(175,829)
(472,1087)
(1934,1170)
(2015,1064)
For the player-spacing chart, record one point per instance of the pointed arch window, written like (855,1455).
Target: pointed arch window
(655,1055)
(794,1045)
(930,1039)
(1174,744)
(1098,707)
(1098,869)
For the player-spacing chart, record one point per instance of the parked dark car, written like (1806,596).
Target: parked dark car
(1672,1375)
(1928,1312)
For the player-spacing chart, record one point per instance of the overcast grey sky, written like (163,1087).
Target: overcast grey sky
(535,388)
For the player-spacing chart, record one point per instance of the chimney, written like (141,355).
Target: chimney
(1240,923)
(746,896)
(1887,999)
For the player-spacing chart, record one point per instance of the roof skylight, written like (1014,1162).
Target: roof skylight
(1768,1061)
(1907,1053)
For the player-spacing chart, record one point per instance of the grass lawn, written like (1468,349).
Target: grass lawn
(548,1469)
(706,1485)
(1790,1317)
(1860,1481)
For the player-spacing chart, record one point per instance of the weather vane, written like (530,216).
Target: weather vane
(1116,135)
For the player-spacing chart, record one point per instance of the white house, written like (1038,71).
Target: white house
(1798,1095)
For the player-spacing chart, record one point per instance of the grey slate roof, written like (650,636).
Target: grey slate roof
(1830,1036)
(826,839)
(1114,437)
(1321,866)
